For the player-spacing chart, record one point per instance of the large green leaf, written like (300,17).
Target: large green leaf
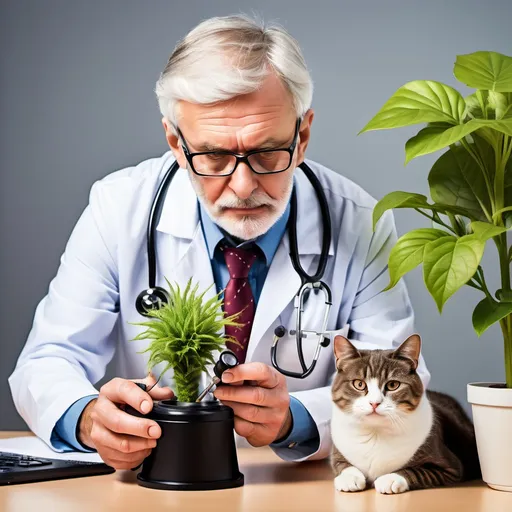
(449,263)
(503,125)
(434,138)
(420,101)
(407,253)
(440,135)
(456,179)
(488,312)
(491,71)
(400,199)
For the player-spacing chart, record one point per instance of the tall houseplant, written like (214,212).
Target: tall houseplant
(471,203)
(185,334)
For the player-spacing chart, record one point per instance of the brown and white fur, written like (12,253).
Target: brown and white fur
(389,433)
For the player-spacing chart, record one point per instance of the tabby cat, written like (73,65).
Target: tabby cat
(387,432)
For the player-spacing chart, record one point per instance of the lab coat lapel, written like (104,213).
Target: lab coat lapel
(180,219)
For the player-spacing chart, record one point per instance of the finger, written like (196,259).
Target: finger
(263,374)
(121,443)
(244,428)
(253,413)
(156,391)
(247,395)
(122,391)
(134,458)
(121,422)
(119,464)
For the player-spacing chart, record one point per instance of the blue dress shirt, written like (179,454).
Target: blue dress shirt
(303,436)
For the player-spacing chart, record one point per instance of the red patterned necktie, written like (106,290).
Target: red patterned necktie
(238,297)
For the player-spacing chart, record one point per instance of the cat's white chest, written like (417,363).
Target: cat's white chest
(375,452)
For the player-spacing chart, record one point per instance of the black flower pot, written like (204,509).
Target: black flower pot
(196,450)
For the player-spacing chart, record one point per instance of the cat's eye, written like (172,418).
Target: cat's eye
(360,385)
(392,385)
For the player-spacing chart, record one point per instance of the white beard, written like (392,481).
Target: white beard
(250,226)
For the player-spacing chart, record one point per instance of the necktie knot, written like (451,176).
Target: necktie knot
(239,261)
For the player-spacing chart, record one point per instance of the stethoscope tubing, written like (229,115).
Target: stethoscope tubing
(306,279)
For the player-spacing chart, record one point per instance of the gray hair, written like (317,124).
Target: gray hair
(224,57)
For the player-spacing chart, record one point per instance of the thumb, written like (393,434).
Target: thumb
(155,391)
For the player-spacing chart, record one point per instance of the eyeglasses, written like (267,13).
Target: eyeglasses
(224,163)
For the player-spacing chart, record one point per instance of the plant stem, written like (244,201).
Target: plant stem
(499,179)
(505,323)
(480,279)
(506,328)
(438,221)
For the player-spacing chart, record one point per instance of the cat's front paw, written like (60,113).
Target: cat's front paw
(350,480)
(391,483)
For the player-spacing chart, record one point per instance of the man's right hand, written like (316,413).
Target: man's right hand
(123,441)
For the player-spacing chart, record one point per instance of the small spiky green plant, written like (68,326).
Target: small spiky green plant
(184,334)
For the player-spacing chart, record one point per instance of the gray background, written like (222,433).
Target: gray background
(77,102)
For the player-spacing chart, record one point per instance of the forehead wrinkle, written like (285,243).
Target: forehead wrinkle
(237,143)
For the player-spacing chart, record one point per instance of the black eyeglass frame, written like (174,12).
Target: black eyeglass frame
(240,158)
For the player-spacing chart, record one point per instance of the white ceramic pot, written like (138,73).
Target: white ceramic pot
(492,416)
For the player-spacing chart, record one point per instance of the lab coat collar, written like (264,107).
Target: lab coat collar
(180,213)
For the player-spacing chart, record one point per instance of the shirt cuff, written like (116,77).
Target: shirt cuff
(303,438)
(64,438)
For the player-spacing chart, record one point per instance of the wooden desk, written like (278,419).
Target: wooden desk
(270,485)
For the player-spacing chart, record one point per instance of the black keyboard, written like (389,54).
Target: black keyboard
(17,469)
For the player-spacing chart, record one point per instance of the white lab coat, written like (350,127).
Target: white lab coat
(87,314)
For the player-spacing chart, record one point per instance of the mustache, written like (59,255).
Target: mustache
(254,201)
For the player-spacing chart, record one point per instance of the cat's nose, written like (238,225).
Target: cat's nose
(375,405)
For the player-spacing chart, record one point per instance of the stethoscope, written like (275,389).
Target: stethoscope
(155,296)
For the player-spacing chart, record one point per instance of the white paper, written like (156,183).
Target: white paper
(32,445)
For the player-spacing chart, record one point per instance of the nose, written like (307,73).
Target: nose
(375,405)
(243,181)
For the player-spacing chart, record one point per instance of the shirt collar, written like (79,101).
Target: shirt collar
(268,242)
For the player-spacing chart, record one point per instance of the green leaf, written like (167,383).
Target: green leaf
(441,135)
(407,253)
(434,138)
(449,263)
(503,125)
(490,71)
(398,199)
(456,179)
(420,101)
(485,230)
(488,312)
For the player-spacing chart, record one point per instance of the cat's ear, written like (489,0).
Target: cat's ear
(344,351)
(410,349)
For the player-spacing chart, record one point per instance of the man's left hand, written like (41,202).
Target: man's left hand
(261,404)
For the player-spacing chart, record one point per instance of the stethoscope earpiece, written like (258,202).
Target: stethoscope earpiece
(151,298)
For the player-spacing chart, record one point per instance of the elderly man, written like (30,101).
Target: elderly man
(231,91)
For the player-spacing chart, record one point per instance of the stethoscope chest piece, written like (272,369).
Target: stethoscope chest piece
(150,299)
